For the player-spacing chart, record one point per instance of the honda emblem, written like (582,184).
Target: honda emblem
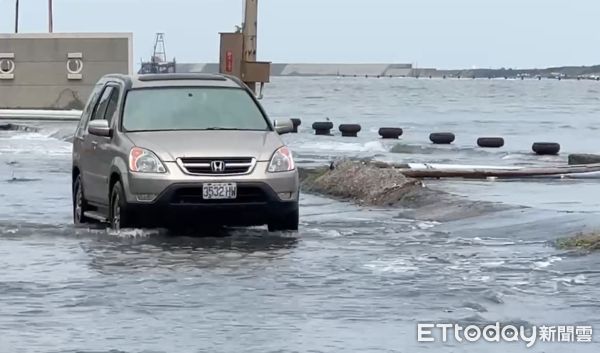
(217,166)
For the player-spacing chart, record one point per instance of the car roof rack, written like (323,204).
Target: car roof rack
(176,77)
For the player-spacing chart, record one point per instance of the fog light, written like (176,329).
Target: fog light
(145,197)
(285,195)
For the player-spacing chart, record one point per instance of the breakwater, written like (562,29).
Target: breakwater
(384,70)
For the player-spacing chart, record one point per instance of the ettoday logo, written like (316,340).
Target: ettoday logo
(497,332)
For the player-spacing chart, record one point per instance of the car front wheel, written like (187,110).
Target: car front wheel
(79,204)
(287,222)
(119,215)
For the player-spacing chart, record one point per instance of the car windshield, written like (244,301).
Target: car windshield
(196,108)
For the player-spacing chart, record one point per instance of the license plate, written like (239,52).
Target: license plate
(219,191)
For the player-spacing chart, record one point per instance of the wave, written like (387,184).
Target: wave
(62,135)
(18,127)
(28,142)
(392,266)
(37,133)
(437,149)
(21,180)
(372,146)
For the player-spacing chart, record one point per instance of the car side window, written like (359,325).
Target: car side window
(113,104)
(87,112)
(100,110)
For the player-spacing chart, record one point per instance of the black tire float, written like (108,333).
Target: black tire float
(546,148)
(322,127)
(442,138)
(349,130)
(296,122)
(490,142)
(390,132)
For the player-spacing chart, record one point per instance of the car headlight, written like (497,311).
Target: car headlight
(144,161)
(282,161)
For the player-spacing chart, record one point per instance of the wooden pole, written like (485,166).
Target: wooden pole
(250,29)
(50,17)
(250,32)
(17,16)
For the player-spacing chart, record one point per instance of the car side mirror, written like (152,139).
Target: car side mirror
(99,128)
(284,126)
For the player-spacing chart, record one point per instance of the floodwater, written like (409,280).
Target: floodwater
(353,279)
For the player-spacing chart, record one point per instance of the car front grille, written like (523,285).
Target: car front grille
(217,166)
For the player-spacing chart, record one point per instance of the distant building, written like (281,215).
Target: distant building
(58,70)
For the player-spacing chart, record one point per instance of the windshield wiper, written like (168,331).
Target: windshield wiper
(222,128)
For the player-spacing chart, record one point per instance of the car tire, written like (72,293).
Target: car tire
(119,216)
(296,122)
(80,205)
(322,127)
(390,132)
(546,148)
(490,142)
(349,130)
(287,222)
(442,138)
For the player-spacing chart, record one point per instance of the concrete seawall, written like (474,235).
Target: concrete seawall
(39,115)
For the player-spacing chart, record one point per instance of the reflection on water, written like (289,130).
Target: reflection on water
(169,252)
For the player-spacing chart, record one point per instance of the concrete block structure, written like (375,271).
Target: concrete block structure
(58,70)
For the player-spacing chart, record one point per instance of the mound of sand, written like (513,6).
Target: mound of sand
(580,242)
(361,182)
(377,184)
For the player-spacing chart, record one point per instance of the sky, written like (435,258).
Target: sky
(427,33)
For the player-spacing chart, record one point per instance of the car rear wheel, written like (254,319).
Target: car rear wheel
(288,222)
(80,205)
(119,215)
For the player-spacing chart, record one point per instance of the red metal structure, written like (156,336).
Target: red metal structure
(238,51)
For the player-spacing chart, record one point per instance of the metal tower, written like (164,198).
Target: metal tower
(160,51)
(158,63)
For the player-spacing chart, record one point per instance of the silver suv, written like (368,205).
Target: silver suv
(176,150)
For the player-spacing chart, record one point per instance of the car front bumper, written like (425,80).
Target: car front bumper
(176,197)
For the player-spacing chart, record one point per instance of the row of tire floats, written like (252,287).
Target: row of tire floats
(323,128)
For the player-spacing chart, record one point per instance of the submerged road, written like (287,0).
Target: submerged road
(353,279)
